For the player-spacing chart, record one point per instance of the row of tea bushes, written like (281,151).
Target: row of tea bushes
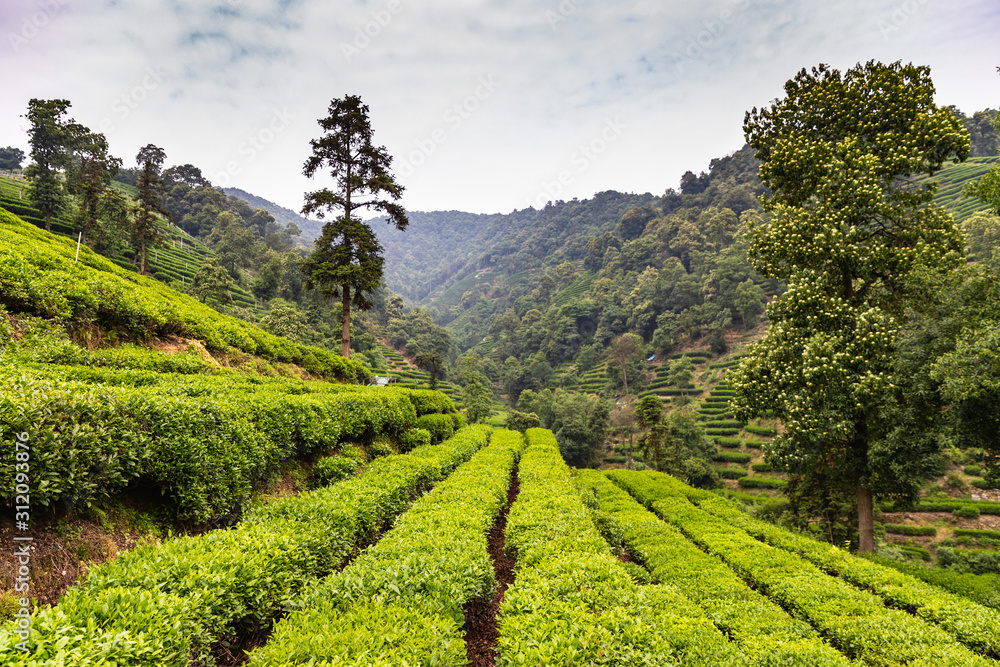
(39,274)
(401,602)
(163,605)
(573,603)
(857,620)
(762,629)
(204,452)
(974,625)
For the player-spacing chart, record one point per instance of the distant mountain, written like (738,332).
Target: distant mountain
(311,229)
(440,248)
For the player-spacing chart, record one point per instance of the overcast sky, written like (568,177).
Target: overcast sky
(486,106)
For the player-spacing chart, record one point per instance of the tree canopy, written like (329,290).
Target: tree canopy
(846,232)
(347,260)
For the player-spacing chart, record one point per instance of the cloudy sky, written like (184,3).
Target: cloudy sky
(486,105)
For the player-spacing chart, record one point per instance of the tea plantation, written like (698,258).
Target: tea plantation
(618,568)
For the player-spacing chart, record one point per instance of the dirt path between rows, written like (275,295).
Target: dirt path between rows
(481,632)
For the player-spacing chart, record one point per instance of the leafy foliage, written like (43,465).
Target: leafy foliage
(347,260)
(165,604)
(38,275)
(846,232)
(572,601)
(417,577)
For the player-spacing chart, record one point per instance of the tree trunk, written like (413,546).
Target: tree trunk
(143,269)
(866,520)
(48,222)
(625,378)
(345,350)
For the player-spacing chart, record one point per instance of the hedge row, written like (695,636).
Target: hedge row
(39,274)
(973,532)
(204,450)
(763,630)
(913,531)
(730,473)
(855,620)
(401,601)
(725,423)
(161,605)
(761,430)
(573,603)
(974,561)
(761,483)
(980,588)
(441,427)
(732,457)
(973,625)
(722,431)
(976,507)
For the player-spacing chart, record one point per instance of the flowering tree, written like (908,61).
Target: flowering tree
(847,229)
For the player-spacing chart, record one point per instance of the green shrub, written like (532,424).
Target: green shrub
(439,426)
(378,447)
(166,604)
(974,470)
(569,586)
(761,483)
(966,512)
(949,505)
(721,431)
(976,533)
(981,588)
(915,552)
(202,441)
(426,401)
(415,437)
(913,531)
(981,483)
(40,273)
(725,423)
(730,473)
(760,430)
(732,457)
(975,561)
(723,441)
(753,444)
(331,469)
(755,624)
(851,607)
(521,421)
(615,459)
(401,601)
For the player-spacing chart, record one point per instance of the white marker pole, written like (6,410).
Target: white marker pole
(78,239)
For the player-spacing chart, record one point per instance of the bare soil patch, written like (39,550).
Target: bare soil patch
(481,631)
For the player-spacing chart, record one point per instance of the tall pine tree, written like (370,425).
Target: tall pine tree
(347,261)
